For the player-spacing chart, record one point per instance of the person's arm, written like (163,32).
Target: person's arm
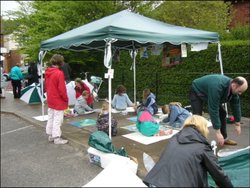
(173,114)
(129,102)
(212,165)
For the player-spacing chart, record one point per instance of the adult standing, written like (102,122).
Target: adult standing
(67,72)
(57,99)
(217,89)
(33,74)
(187,159)
(16,77)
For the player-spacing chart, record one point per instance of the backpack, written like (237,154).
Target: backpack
(101,141)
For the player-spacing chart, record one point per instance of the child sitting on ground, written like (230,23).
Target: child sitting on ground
(147,125)
(121,100)
(149,101)
(176,114)
(103,120)
(81,104)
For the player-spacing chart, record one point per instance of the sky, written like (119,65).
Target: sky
(8,5)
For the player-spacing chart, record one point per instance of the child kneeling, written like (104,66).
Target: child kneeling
(148,126)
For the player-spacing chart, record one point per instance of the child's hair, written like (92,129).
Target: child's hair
(105,106)
(165,109)
(85,93)
(146,93)
(120,89)
(79,80)
(199,122)
(57,59)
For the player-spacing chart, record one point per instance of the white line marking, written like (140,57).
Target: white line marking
(16,130)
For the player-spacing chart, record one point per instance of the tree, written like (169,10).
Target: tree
(205,15)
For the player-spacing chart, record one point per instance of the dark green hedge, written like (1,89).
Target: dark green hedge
(172,84)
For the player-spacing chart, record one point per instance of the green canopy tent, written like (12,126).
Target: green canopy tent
(129,31)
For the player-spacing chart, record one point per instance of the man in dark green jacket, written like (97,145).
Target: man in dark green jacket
(217,89)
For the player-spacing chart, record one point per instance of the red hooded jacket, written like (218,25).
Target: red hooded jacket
(55,86)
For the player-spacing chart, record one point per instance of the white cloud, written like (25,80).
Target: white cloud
(8,5)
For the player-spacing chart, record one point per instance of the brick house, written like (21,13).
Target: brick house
(240,12)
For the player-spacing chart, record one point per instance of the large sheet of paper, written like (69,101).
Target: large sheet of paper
(138,137)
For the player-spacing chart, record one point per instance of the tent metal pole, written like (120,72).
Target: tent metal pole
(221,69)
(109,75)
(110,107)
(134,67)
(41,56)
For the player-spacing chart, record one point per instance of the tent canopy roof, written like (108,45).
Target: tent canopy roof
(129,29)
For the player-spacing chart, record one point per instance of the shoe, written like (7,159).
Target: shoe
(50,138)
(230,142)
(60,141)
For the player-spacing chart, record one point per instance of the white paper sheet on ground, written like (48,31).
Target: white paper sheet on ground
(116,174)
(130,109)
(89,112)
(226,152)
(98,110)
(115,111)
(138,137)
(41,118)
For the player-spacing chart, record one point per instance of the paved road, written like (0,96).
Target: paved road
(28,160)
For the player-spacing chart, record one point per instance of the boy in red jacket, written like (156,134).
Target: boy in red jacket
(57,99)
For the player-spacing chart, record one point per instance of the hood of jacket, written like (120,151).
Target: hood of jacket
(190,135)
(151,95)
(50,71)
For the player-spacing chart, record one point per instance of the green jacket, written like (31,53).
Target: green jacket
(215,90)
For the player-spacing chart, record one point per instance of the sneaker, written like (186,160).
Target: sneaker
(50,138)
(60,141)
(230,142)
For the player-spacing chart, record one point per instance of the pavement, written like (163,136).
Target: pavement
(78,137)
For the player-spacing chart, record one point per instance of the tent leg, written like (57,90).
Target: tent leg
(134,67)
(221,69)
(41,56)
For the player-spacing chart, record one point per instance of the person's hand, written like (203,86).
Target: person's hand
(238,128)
(219,137)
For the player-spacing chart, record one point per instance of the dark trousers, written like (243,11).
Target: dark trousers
(197,105)
(16,85)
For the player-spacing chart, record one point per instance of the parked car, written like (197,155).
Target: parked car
(6,76)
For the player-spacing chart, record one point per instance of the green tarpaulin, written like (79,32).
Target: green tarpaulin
(237,167)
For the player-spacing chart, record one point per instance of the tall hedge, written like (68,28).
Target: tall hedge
(173,84)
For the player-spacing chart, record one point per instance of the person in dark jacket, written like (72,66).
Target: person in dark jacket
(33,74)
(217,89)
(66,71)
(149,101)
(187,159)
